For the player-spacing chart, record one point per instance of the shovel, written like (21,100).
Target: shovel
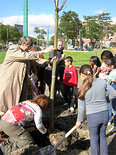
(50,150)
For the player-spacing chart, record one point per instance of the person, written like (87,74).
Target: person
(104,57)
(15,120)
(114,51)
(70,80)
(95,64)
(14,72)
(111,79)
(39,71)
(92,99)
(60,65)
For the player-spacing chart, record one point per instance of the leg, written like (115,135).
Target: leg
(97,126)
(17,134)
(93,133)
(103,141)
(66,93)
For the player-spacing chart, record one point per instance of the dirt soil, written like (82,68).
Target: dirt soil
(78,143)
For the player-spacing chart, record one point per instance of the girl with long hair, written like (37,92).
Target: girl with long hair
(92,98)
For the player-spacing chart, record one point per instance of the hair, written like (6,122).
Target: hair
(60,40)
(41,100)
(88,80)
(107,54)
(111,62)
(96,60)
(25,40)
(35,48)
(69,59)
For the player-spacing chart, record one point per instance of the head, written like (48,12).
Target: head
(86,75)
(106,55)
(60,44)
(94,60)
(111,64)
(35,48)
(41,100)
(25,42)
(68,61)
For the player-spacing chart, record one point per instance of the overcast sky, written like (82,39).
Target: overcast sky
(41,12)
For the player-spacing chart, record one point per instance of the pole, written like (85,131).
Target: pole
(25,17)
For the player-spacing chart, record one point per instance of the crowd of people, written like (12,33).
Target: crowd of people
(25,82)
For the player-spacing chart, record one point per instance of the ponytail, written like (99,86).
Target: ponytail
(87,82)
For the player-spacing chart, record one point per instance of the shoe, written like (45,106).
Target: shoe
(72,109)
(109,123)
(65,104)
(113,129)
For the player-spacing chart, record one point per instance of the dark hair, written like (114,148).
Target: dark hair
(25,40)
(107,54)
(111,62)
(41,100)
(35,48)
(69,59)
(96,60)
(88,80)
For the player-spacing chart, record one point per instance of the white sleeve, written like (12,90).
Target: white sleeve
(38,121)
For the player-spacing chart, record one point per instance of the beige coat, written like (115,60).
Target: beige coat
(12,74)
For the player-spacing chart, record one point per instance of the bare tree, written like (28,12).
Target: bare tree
(57,9)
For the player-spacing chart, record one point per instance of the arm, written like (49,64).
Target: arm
(75,77)
(47,50)
(35,89)
(111,92)
(38,121)
(16,54)
(81,110)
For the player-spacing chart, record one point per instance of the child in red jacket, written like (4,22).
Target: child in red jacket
(70,80)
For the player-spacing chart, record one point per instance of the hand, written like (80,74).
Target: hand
(78,124)
(50,49)
(112,79)
(53,59)
(63,56)
(114,50)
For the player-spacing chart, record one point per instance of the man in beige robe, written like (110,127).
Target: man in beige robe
(13,71)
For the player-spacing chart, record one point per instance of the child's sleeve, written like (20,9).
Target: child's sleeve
(38,121)
(75,77)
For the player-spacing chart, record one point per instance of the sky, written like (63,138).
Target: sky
(41,13)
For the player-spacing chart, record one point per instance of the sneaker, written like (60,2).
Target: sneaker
(72,109)
(109,123)
(65,104)
(113,129)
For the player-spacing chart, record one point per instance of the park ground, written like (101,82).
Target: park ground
(78,143)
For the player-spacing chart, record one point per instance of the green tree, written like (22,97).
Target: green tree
(96,27)
(70,25)
(9,34)
(3,33)
(13,34)
(41,33)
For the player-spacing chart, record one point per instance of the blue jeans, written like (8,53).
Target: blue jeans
(97,123)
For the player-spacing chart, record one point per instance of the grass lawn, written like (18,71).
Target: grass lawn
(79,58)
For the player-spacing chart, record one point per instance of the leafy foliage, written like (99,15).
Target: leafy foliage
(96,27)
(69,25)
(9,34)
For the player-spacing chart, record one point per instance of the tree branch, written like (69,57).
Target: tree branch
(63,3)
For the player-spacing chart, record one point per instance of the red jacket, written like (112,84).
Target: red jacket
(70,76)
